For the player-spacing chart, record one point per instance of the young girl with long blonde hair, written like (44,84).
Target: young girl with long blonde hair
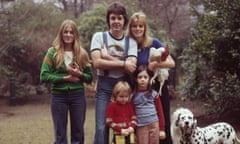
(66,66)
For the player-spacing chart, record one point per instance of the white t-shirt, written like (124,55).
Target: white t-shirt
(116,48)
(68,57)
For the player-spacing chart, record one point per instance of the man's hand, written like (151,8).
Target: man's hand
(104,52)
(129,67)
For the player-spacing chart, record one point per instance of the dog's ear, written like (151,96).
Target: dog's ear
(194,122)
(178,119)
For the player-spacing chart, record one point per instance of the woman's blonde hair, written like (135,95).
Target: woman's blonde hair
(140,17)
(80,55)
(121,86)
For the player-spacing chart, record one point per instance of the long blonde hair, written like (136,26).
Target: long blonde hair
(80,56)
(140,17)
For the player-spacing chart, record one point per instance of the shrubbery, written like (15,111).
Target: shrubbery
(26,34)
(211,63)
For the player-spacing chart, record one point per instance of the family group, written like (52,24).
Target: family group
(127,102)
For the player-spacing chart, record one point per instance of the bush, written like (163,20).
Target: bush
(211,62)
(29,31)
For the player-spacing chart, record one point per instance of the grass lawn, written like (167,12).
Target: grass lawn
(32,123)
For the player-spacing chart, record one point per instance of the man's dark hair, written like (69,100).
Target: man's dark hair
(117,8)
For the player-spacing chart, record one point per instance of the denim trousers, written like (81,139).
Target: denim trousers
(74,104)
(103,96)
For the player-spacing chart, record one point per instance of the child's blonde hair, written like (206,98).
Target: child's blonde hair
(120,87)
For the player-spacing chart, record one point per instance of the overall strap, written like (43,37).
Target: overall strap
(104,35)
(126,46)
(105,42)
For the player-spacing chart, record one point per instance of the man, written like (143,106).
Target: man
(114,57)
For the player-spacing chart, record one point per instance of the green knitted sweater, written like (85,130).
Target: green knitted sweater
(51,74)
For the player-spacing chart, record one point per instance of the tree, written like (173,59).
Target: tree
(32,27)
(92,21)
(76,7)
(170,15)
(211,62)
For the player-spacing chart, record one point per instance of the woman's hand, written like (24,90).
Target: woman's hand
(129,66)
(73,69)
(152,66)
(71,78)
(168,63)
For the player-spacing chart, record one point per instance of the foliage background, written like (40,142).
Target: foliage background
(25,38)
(212,60)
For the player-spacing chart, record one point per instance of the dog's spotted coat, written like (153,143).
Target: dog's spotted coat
(185,130)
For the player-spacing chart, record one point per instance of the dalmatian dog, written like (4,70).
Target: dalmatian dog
(159,54)
(184,130)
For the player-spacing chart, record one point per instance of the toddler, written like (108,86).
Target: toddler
(120,114)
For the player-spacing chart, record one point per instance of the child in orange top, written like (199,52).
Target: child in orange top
(120,114)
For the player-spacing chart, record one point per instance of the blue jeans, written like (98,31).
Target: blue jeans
(75,104)
(103,96)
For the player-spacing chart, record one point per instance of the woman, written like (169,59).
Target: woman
(138,30)
(66,66)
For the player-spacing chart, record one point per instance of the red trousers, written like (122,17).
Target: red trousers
(148,134)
